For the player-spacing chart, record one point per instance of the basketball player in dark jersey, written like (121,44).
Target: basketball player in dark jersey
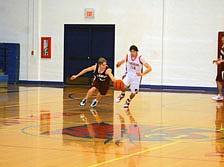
(219,78)
(101,81)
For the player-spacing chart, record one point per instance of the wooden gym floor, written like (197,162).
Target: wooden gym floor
(42,126)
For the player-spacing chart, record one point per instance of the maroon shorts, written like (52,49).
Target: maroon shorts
(219,73)
(102,87)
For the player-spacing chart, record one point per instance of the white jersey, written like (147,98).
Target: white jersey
(134,65)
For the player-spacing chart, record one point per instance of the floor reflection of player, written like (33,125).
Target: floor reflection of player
(132,133)
(126,131)
(98,146)
(130,138)
(219,123)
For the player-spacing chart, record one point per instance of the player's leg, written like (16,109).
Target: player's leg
(122,95)
(88,95)
(219,81)
(103,89)
(96,101)
(99,96)
(220,95)
(128,101)
(219,86)
(135,83)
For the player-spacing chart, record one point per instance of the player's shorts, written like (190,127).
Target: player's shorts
(102,87)
(219,73)
(133,82)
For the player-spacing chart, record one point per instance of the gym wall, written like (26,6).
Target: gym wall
(178,38)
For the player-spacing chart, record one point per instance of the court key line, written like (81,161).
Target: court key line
(133,154)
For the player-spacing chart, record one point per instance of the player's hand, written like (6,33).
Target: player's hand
(214,61)
(217,62)
(73,77)
(118,65)
(139,74)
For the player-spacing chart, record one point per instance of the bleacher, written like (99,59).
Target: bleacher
(3,79)
(9,64)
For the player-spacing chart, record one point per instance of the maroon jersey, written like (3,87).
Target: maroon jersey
(219,76)
(101,80)
(222,52)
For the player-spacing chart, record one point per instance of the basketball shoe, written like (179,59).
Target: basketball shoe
(83,102)
(120,97)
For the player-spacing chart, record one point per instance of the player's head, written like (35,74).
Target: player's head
(133,50)
(222,38)
(102,63)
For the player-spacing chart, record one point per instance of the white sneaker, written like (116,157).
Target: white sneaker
(83,103)
(120,97)
(217,98)
(127,103)
(94,103)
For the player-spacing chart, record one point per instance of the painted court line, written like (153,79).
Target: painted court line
(137,153)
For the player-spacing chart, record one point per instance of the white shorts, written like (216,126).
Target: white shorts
(133,82)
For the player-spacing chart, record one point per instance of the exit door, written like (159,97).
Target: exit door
(83,46)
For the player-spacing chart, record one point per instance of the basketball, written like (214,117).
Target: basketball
(119,85)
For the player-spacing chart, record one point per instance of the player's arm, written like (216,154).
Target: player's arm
(217,61)
(92,68)
(148,69)
(109,72)
(220,60)
(119,63)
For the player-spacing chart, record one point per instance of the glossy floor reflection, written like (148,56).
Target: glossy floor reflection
(43,126)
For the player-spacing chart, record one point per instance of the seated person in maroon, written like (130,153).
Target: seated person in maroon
(101,81)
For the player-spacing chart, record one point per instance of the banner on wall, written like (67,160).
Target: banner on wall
(46,47)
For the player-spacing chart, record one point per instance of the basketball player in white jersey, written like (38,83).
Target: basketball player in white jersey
(134,73)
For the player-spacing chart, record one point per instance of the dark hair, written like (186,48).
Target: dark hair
(102,60)
(222,35)
(133,47)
